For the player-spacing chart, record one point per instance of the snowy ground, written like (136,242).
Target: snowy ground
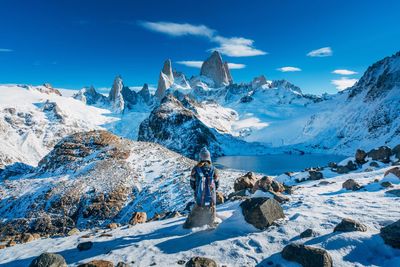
(236,243)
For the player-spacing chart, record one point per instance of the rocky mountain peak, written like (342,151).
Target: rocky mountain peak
(165,80)
(215,69)
(145,94)
(258,81)
(115,95)
(286,85)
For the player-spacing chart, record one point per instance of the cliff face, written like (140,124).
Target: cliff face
(215,69)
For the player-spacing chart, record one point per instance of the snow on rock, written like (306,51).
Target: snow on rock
(215,69)
(115,96)
(165,80)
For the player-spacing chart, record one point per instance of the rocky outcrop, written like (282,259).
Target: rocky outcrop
(49,260)
(165,80)
(349,225)
(90,96)
(391,234)
(115,97)
(395,171)
(215,69)
(268,184)
(246,181)
(178,128)
(144,93)
(138,217)
(286,85)
(261,212)
(307,256)
(258,81)
(129,96)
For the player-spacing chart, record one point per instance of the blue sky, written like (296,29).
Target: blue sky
(73,43)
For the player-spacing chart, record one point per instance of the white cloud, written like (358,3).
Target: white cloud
(197,64)
(344,72)
(322,52)
(233,47)
(289,69)
(6,50)
(236,47)
(178,29)
(343,83)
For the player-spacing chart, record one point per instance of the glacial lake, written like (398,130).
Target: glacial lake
(276,164)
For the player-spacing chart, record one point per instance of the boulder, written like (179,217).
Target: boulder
(49,260)
(350,166)
(395,171)
(268,184)
(73,231)
(396,151)
(97,263)
(138,217)
(85,246)
(391,234)
(381,154)
(307,256)
(360,156)
(27,237)
(316,175)
(350,184)
(386,184)
(112,226)
(308,233)
(201,262)
(261,212)
(220,198)
(200,216)
(395,192)
(349,225)
(246,181)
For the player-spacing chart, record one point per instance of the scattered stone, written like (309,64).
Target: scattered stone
(85,246)
(261,212)
(246,181)
(97,263)
(138,217)
(105,235)
(374,164)
(87,236)
(11,243)
(391,234)
(381,154)
(395,192)
(350,184)
(122,264)
(268,184)
(220,198)
(308,233)
(201,262)
(73,231)
(360,156)
(349,225)
(325,182)
(386,184)
(112,226)
(49,260)
(395,171)
(27,237)
(307,256)
(316,175)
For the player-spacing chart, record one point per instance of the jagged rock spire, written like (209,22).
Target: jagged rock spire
(145,94)
(165,80)
(115,96)
(215,69)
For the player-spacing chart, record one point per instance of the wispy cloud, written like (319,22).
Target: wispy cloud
(197,64)
(321,52)
(289,69)
(6,50)
(343,83)
(232,46)
(344,72)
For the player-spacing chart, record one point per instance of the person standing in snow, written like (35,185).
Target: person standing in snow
(204,182)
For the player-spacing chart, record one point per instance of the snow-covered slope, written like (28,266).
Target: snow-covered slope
(33,119)
(313,205)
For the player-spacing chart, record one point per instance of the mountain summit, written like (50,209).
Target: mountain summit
(215,69)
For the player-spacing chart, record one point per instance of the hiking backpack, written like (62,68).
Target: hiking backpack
(205,186)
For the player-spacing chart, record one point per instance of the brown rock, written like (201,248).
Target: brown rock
(27,237)
(246,181)
(220,198)
(201,262)
(112,226)
(360,156)
(350,184)
(138,217)
(267,184)
(307,256)
(2,246)
(381,154)
(11,243)
(395,171)
(97,263)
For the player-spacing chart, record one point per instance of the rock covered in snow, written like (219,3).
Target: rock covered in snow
(90,96)
(391,234)
(259,81)
(307,256)
(352,185)
(349,225)
(115,96)
(381,154)
(215,69)
(165,80)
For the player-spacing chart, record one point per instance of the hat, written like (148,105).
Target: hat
(205,154)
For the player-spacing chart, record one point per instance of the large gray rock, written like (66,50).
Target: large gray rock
(352,185)
(49,260)
(261,212)
(200,216)
(381,154)
(307,256)
(215,69)
(391,234)
(349,225)
(201,262)
(165,80)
